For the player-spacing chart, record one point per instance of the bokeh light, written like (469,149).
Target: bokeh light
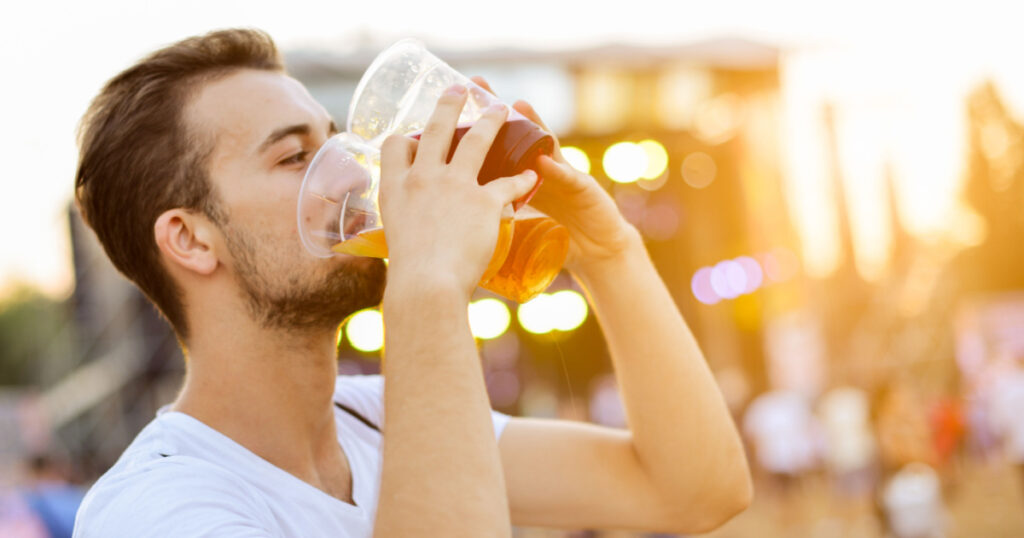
(535,316)
(564,310)
(570,309)
(365,330)
(753,271)
(717,119)
(730,279)
(701,286)
(651,185)
(657,159)
(624,162)
(577,158)
(699,170)
(661,221)
(488,318)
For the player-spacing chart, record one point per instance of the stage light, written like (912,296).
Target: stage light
(577,158)
(624,162)
(569,309)
(365,330)
(488,318)
(657,159)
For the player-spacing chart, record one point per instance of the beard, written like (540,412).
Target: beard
(280,295)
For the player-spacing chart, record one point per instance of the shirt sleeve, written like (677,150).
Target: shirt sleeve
(365,394)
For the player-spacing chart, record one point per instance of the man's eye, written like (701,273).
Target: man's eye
(298,158)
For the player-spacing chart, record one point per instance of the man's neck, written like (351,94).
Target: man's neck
(270,391)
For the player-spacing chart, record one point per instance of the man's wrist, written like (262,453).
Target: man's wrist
(629,249)
(416,284)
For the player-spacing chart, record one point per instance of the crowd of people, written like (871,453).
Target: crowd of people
(896,452)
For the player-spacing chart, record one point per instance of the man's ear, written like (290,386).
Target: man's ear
(186,239)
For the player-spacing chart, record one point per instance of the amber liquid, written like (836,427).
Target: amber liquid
(528,256)
(373,244)
(539,247)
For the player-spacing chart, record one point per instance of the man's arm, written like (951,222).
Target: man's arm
(441,472)
(681,465)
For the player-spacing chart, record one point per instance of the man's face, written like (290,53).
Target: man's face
(265,128)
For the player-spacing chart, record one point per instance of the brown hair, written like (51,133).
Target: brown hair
(138,158)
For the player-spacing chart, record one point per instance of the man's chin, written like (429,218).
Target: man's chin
(348,287)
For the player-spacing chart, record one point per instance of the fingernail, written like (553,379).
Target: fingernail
(530,173)
(498,108)
(456,89)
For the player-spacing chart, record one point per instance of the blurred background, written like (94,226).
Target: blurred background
(833,193)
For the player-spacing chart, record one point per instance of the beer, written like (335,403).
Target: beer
(372,243)
(538,250)
(527,258)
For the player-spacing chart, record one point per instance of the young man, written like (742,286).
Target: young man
(189,173)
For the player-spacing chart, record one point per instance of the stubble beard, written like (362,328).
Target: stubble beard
(296,302)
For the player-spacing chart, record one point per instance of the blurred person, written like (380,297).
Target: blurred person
(948,426)
(901,423)
(51,496)
(850,455)
(189,173)
(849,444)
(1006,401)
(786,440)
(904,438)
(785,436)
(17,519)
(913,503)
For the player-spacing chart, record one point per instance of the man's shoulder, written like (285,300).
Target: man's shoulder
(154,491)
(159,497)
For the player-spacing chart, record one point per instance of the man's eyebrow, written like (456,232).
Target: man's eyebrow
(298,129)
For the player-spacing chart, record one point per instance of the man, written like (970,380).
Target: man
(189,174)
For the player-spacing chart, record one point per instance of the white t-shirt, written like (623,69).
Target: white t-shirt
(179,477)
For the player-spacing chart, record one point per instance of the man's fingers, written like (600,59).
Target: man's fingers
(437,135)
(396,154)
(512,188)
(473,147)
(482,82)
(527,110)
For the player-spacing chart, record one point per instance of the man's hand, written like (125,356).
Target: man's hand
(597,229)
(440,223)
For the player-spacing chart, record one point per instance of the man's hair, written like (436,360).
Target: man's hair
(138,158)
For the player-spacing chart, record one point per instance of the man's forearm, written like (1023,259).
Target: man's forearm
(682,431)
(441,470)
